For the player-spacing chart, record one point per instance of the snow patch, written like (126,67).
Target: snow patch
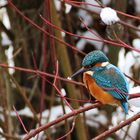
(63,92)
(58,6)
(87,19)
(136,43)
(106,2)
(135,101)
(109,16)
(92,8)
(23,112)
(69,78)
(137,5)
(82,42)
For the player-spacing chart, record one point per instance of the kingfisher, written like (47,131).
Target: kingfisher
(105,81)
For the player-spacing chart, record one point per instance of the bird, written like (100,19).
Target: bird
(105,82)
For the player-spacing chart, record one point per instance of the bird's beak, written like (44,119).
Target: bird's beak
(78,72)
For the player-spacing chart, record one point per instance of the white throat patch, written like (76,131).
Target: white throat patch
(89,72)
(104,64)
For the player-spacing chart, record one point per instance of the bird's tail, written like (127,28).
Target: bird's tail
(125,106)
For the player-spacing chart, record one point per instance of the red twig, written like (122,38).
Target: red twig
(118,127)
(128,25)
(67,103)
(84,37)
(119,12)
(136,81)
(50,75)
(56,74)
(84,3)
(77,100)
(128,46)
(69,33)
(127,15)
(75,112)
(66,116)
(134,95)
(70,131)
(41,29)
(54,85)
(41,73)
(20,120)
(121,44)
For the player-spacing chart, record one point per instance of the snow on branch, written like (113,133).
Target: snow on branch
(109,16)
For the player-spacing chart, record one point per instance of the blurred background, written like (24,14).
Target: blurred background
(24,45)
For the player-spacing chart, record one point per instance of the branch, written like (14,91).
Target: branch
(42,30)
(20,120)
(118,127)
(66,116)
(7,136)
(38,72)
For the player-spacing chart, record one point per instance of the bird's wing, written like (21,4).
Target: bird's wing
(112,80)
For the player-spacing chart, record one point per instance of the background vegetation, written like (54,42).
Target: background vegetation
(36,90)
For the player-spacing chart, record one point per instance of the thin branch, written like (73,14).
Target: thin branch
(41,73)
(70,131)
(56,74)
(84,37)
(128,25)
(7,136)
(135,81)
(44,31)
(20,120)
(121,43)
(97,6)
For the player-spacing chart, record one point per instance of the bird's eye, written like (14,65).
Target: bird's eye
(89,66)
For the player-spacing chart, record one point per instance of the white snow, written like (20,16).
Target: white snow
(93,117)
(106,2)
(82,42)
(132,58)
(9,54)
(109,16)
(138,32)
(3,2)
(69,78)
(119,117)
(92,8)
(87,19)
(58,6)
(54,113)
(135,101)
(137,5)
(5,40)
(125,63)
(23,112)
(63,92)
(136,43)
(5,20)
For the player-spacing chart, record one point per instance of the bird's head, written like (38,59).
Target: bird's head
(91,60)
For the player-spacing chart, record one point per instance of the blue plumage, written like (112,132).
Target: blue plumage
(111,79)
(108,77)
(94,57)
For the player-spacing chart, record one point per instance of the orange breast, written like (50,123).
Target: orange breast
(98,92)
